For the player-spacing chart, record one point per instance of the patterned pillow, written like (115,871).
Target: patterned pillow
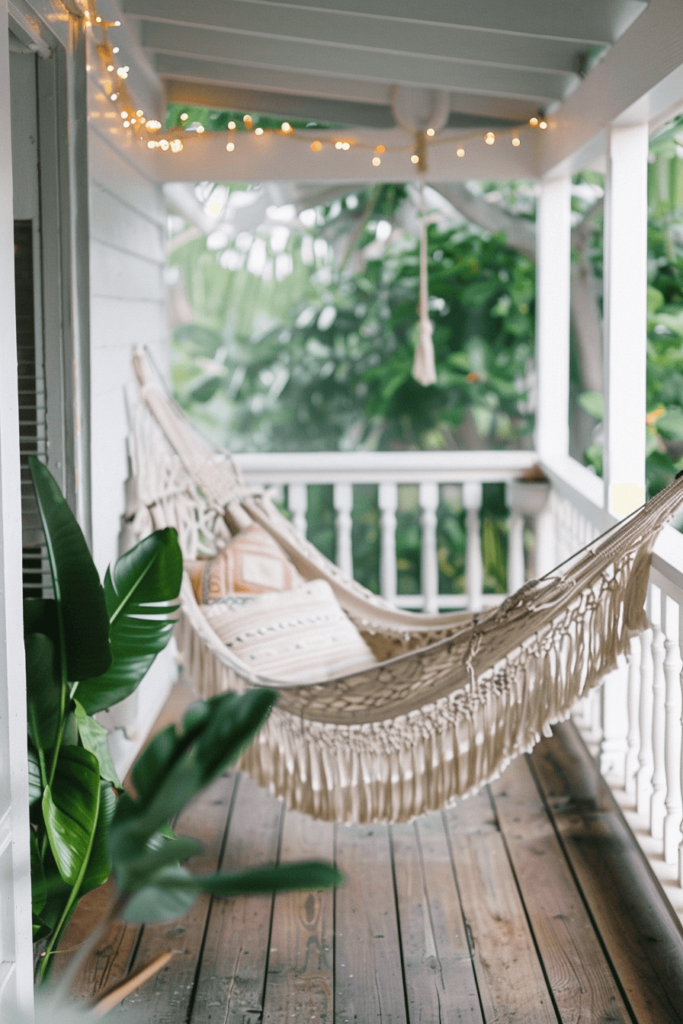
(298,636)
(251,563)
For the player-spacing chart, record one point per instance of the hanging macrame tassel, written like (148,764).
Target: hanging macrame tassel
(424,369)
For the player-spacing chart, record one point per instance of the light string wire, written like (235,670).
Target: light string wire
(150,131)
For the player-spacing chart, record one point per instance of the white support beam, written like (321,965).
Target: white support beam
(353,62)
(625,341)
(553,267)
(388,35)
(15,870)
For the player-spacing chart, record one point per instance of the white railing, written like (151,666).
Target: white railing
(632,724)
(429,471)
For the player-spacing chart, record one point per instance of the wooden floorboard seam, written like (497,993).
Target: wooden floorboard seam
(398,921)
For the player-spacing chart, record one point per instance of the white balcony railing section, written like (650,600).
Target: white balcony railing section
(528,502)
(632,724)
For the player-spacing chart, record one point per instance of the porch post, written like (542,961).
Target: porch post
(16,957)
(625,284)
(553,268)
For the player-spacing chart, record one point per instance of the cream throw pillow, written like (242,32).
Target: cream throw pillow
(251,563)
(299,635)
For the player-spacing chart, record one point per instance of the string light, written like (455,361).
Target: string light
(489,138)
(316,146)
(153,126)
(110,67)
(259,131)
(380,149)
(516,141)
(414,159)
(248,121)
(184,117)
(200,129)
(431,132)
(176,145)
(114,96)
(230,147)
(231,126)
(460,152)
(115,49)
(286,127)
(337,145)
(376,161)
(543,125)
(533,121)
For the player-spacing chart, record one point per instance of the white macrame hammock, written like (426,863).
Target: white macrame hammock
(452,699)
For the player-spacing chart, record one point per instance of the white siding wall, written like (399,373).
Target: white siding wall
(128,308)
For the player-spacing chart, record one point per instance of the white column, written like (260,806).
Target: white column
(474,569)
(429,503)
(553,269)
(680,845)
(387,499)
(342,497)
(613,705)
(672,735)
(15,879)
(297,503)
(658,718)
(645,761)
(625,290)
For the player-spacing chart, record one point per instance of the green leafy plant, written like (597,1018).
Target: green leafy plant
(87,648)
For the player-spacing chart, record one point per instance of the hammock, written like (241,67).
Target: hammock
(453,698)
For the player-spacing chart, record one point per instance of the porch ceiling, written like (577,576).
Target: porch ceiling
(336,60)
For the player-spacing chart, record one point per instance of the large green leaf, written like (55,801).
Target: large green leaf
(176,766)
(99,864)
(35,782)
(142,602)
(161,902)
(38,886)
(162,852)
(94,738)
(305,875)
(84,623)
(70,810)
(43,690)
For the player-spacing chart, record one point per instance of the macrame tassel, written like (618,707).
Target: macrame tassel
(424,370)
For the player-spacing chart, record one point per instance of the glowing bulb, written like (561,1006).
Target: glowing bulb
(110,67)
(230,147)
(164,144)
(248,120)
(231,126)
(132,120)
(460,152)
(126,124)
(414,159)
(286,127)
(489,138)
(346,145)
(338,145)
(430,132)
(139,113)
(376,161)
(117,24)
(200,129)
(151,144)
(259,131)
(115,49)
(543,125)
(122,72)
(114,96)
(516,142)
(87,67)
(380,149)
(533,121)
(316,146)
(153,126)
(176,145)
(98,20)
(184,117)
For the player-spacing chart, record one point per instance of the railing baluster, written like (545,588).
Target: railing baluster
(387,499)
(516,572)
(633,738)
(343,505)
(645,759)
(614,722)
(672,740)
(472,495)
(297,503)
(429,503)
(657,809)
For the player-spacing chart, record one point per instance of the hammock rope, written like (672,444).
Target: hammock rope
(453,698)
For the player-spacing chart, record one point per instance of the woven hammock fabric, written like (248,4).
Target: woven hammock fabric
(452,699)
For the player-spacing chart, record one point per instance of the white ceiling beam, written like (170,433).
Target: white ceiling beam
(636,81)
(275,157)
(491,79)
(587,21)
(296,83)
(307,108)
(382,34)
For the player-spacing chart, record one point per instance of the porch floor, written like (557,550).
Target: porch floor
(529,903)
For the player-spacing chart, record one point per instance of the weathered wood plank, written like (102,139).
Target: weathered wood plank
(231,978)
(578,972)
(167,996)
(367,955)
(510,979)
(637,926)
(439,973)
(299,984)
